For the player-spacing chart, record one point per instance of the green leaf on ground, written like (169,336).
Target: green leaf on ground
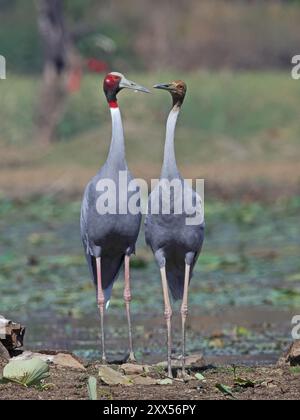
(225,389)
(92,388)
(244,383)
(26,372)
(166,381)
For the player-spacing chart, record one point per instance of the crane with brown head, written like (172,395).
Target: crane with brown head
(177,89)
(175,240)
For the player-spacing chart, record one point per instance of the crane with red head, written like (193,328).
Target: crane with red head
(109,238)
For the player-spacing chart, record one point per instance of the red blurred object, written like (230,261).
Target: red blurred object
(96,66)
(74,80)
(75,74)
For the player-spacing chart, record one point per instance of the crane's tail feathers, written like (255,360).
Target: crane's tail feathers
(176,286)
(176,282)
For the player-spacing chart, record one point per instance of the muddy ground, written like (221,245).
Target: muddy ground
(270,383)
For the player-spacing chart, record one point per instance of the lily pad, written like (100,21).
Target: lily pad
(293,277)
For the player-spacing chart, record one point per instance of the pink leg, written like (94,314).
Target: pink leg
(168,316)
(127,299)
(184,311)
(101,305)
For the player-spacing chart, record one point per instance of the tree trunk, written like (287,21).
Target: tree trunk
(53,92)
(11,337)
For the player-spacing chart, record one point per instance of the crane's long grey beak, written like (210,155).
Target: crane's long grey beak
(164,86)
(128,84)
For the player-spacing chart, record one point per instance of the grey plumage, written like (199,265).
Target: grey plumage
(172,241)
(174,226)
(110,236)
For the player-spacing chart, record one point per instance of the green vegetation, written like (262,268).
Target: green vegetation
(235,250)
(226,116)
(211,33)
(295,370)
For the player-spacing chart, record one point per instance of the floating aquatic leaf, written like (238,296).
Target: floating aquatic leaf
(217,343)
(242,331)
(293,277)
(26,372)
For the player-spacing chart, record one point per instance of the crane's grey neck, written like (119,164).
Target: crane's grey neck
(169,168)
(116,155)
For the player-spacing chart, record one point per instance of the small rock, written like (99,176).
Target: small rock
(166,381)
(134,369)
(65,360)
(142,380)
(68,361)
(111,377)
(27,355)
(269,383)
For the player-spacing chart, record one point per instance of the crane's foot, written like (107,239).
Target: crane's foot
(183,375)
(103,360)
(183,370)
(131,358)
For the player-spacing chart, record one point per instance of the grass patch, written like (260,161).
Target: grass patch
(225,114)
